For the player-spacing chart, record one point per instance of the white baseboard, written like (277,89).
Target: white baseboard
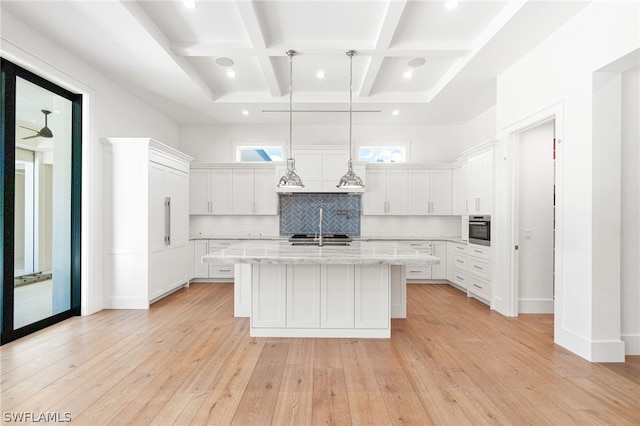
(126,303)
(591,350)
(535,306)
(631,344)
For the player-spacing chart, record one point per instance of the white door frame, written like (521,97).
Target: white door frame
(511,135)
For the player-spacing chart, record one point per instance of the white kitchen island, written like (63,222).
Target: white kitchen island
(328,291)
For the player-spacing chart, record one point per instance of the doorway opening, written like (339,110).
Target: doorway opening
(534,214)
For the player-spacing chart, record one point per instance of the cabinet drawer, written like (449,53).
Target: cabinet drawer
(460,248)
(479,251)
(479,267)
(215,245)
(478,287)
(220,271)
(418,272)
(460,261)
(460,277)
(421,245)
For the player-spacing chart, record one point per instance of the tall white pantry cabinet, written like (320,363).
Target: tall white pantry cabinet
(147,209)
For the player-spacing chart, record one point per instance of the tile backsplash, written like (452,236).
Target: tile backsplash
(341,213)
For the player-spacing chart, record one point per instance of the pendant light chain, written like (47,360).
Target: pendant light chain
(350,180)
(290,179)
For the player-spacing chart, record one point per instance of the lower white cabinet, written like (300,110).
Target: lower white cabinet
(460,265)
(479,272)
(325,300)
(211,270)
(433,272)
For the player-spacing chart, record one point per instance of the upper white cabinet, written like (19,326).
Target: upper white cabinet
(387,192)
(480,178)
(254,192)
(210,191)
(225,189)
(460,184)
(407,190)
(147,243)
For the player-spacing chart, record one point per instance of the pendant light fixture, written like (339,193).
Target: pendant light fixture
(350,180)
(290,179)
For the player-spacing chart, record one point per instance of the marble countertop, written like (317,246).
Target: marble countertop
(357,253)
(358,238)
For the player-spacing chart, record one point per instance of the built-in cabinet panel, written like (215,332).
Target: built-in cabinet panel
(372,301)
(211,270)
(148,250)
(337,296)
(303,296)
(335,300)
(269,296)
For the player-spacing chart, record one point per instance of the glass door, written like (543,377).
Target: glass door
(41,182)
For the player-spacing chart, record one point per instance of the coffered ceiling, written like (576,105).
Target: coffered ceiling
(178,59)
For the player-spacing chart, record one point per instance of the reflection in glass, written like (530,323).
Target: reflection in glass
(42,204)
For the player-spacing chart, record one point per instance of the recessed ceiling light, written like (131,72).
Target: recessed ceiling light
(223,61)
(408,74)
(190,4)
(321,74)
(450,4)
(245,112)
(395,112)
(416,62)
(231,74)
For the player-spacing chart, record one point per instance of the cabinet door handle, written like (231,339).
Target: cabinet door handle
(478,267)
(167,221)
(477,286)
(459,277)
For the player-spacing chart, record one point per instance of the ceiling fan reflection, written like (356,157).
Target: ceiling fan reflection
(45,132)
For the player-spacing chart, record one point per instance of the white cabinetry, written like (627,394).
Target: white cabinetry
(407,190)
(320,168)
(480,178)
(460,265)
(253,192)
(479,272)
(219,272)
(210,191)
(460,190)
(387,192)
(433,272)
(324,300)
(147,254)
(232,189)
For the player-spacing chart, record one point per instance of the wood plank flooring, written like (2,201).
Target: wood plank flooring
(188,361)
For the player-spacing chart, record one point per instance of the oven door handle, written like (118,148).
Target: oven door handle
(478,223)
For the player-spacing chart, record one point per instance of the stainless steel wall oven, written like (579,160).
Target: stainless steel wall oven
(480,230)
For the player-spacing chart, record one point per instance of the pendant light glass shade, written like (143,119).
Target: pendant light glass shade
(350,180)
(290,179)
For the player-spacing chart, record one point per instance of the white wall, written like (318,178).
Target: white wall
(481,128)
(429,144)
(630,212)
(559,74)
(109,111)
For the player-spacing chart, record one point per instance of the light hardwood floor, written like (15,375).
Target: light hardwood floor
(188,361)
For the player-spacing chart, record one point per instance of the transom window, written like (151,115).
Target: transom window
(259,153)
(383,154)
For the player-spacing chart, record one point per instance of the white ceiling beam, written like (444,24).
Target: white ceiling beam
(249,17)
(156,34)
(390,22)
(505,15)
(438,49)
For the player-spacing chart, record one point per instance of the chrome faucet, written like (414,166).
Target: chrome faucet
(320,226)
